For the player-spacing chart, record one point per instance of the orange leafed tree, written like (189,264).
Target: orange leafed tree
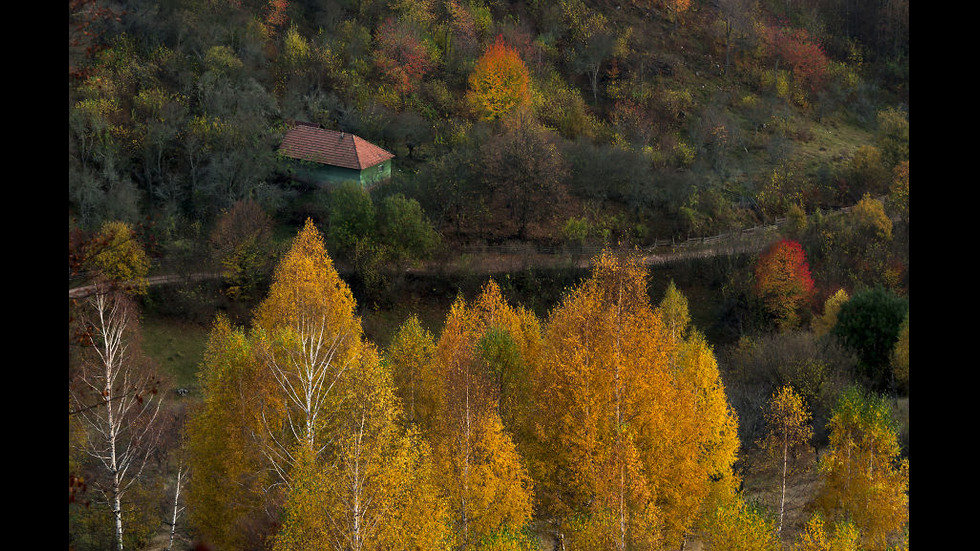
(322,418)
(482,473)
(499,83)
(634,427)
(783,281)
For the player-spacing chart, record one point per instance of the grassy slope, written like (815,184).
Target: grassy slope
(177,346)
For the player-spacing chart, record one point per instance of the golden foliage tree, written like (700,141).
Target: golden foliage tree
(313,339)
(117,256)
(870,220)
(409,355)
(500,82)
(674,311)
(865,480)
(634,428)
(707,435)
(489,487)
(788,430)
(226,436)
(825,322)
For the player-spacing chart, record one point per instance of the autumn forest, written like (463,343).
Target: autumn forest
(638,278)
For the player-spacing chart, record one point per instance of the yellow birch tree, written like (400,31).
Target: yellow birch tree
(634,425)
(864,478)
(489,487)
(227,498)
(788,429)
(409,356)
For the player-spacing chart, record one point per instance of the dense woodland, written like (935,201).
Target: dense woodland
(313,376)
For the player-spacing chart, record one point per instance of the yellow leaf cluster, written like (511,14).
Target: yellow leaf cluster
(739,527)
(823,324)
(500,82)
(637,422)
(815,537)
(864,478)
(481,469)
(117,255)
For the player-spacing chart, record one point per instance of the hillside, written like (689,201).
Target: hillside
(613,233)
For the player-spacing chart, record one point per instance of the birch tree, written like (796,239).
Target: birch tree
(864,477)
(482,473)
(410,357)
(353,477)
(788,430)
(635,430)
(607,370)
(228,499)
(311,340)
(114,395)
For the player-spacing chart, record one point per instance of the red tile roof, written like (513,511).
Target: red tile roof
(312,143)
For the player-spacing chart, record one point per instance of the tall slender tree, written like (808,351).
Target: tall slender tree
(865,478)
(489,487)
(313,341)
(634,427)
(788,430)
(115,396)
(229,495)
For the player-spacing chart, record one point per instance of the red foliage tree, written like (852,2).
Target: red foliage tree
(401,56)
(801,52)
(275,17)
(783,281)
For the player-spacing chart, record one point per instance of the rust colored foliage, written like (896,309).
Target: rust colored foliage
(401,56)
(275,17)
(783,281)
(87,22)
(500,82)
(801,52)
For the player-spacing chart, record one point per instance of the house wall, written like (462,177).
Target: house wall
(315,173)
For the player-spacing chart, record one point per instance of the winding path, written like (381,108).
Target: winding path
(516,258)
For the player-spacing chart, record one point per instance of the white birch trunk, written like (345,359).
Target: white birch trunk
(177,508)
(113,397)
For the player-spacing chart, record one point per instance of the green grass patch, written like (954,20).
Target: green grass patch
(177,346)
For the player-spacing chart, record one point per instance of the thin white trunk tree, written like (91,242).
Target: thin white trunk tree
(307,369)
(115,396)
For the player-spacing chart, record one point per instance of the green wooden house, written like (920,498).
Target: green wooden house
(315,155)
